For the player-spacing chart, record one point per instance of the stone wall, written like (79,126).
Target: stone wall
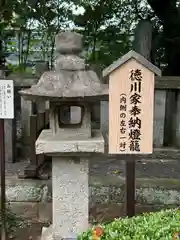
(31,199)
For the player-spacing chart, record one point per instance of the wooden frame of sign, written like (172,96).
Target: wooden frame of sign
(131,107)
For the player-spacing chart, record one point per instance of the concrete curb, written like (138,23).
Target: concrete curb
(102,190)
(31,199)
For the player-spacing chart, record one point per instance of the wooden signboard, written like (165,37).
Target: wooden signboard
(131,104)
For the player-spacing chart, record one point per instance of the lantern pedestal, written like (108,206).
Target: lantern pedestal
(70,174)
(70,196)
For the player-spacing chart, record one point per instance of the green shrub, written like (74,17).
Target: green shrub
(13,222)
(161,225)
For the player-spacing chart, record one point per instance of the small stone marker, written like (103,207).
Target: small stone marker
(131,104)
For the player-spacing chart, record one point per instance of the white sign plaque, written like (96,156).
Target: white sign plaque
(6,99)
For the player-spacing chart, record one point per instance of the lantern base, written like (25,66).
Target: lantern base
(48,234)
(57,145)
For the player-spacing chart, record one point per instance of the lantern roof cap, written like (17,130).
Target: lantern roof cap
(70,79)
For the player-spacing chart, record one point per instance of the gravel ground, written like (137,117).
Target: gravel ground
(144,169)
(155,167)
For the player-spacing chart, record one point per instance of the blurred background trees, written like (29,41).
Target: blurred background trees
(28,28)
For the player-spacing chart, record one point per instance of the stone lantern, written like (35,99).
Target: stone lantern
(71,91)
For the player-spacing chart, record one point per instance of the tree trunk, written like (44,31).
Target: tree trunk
(1,53)
(143,38)
(169,15)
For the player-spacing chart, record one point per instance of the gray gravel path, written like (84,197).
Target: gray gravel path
(155,168)
(144,169)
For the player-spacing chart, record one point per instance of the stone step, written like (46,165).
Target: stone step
(157,186)
(31,199)
(28,190)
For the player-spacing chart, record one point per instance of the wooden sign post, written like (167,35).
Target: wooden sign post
(131,107)
(6,112)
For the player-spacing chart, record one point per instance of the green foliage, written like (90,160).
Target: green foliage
(107,27)
(13,222)
(161,225)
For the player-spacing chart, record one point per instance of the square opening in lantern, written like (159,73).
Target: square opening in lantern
(70,116)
